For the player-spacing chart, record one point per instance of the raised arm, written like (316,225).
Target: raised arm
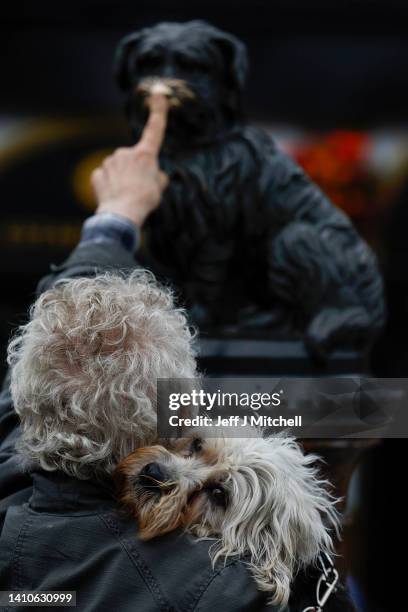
(128,187)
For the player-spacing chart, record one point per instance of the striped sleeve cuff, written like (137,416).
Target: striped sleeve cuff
(110,227)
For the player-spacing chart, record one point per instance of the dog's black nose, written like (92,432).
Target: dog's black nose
(152,475)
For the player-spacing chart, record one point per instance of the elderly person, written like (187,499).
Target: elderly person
(83,384)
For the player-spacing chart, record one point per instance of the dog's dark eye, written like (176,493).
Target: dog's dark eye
(218,496)
(192,64)
(149,61)
(196,445)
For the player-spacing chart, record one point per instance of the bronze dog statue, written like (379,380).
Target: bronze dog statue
(256,248)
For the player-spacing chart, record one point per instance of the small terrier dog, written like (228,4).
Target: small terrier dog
(261,499)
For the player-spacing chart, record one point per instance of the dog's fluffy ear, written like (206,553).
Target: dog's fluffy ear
(234,51)
(126,46)
(285,516)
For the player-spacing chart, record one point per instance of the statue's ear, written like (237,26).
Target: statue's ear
(236,58)
(121,67)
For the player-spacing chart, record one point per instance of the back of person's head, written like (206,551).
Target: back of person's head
(85,366)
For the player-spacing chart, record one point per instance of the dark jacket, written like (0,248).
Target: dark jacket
(59,533)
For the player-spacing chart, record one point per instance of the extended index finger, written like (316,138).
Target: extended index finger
(155,128)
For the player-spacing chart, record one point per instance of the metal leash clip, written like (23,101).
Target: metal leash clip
(326,584)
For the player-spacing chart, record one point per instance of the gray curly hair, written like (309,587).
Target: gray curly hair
(85,366)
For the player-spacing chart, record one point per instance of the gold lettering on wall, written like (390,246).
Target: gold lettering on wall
(42,234)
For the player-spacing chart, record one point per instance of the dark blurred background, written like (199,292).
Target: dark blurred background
(329,80)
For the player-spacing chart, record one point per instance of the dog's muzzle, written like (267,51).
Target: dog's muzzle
(177,91)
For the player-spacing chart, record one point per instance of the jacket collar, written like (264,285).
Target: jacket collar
(57,492)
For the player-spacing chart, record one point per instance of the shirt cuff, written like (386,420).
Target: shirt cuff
(110,227)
